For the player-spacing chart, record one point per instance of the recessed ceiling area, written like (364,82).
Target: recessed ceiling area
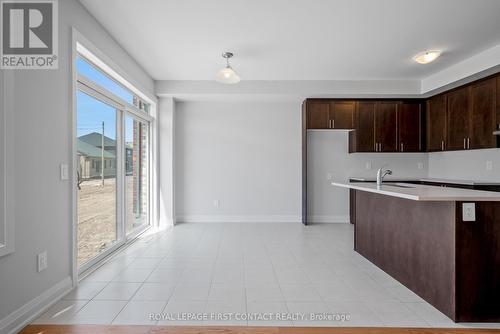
(300,39)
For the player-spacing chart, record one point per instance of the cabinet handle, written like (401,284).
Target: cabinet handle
(442,145)
(465,143)
(376,147)
(380,147)
(468,143)
(333,124)
(402,147)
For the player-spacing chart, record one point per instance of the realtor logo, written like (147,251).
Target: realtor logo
(29,34)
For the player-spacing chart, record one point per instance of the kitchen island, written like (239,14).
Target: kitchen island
(442,243)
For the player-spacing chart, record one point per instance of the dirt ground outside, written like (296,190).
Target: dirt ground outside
(97,216)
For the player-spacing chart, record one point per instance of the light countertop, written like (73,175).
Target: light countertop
(418,192)
(429,179)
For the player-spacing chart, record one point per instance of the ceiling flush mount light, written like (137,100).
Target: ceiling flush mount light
(427,57)
(227,75)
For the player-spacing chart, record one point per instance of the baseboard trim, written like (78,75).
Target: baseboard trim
(238,219)
(334,219)
(21,317)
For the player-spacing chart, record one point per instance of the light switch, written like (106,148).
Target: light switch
(420,165)
(469,212)
(64,172)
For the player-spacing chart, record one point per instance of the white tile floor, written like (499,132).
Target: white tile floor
(286,269)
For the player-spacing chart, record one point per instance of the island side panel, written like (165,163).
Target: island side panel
(478,264)
(413,241)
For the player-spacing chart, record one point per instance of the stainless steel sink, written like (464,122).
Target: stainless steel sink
(398,185)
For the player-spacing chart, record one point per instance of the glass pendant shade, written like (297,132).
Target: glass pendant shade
(227,76)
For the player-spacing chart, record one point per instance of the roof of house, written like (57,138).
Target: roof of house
(91,151)
(95,139)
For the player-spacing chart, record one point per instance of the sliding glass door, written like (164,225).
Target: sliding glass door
(112,162)
(97,177)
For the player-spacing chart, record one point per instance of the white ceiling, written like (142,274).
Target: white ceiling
(298,39)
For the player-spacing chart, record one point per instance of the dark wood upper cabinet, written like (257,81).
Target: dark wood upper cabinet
(436,123)
(317,115)
(410,127)
(483,114)
(386,118)
(365,126)
(498,103)
(342,114)
(458,118)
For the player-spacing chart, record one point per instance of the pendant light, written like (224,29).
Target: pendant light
(227,75)
(427,57)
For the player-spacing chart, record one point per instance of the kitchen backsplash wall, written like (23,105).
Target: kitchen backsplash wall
(483,165)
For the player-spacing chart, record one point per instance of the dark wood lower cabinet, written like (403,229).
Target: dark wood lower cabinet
(452,264)
(352,206)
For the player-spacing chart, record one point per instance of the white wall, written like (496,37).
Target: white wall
(166,121)
(328,157)
(469,165)
(247,155)
(40,130)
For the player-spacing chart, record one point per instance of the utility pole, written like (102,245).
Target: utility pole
(102,155)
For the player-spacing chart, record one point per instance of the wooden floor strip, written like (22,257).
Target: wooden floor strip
(94,329)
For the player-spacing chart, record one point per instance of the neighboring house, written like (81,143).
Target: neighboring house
(90,161)
(95,139)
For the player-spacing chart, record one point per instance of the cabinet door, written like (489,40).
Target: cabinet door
(342,114)
(409,127)
(365,126)
(436,123)
(498,104)
(458,118)
(386,126)
(317,115)
(483,109)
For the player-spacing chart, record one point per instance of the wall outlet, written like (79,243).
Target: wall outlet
(329,176)
(489,165)
(216,203)
(64,171)
(469,212)
(41,261)
(420,165)
(368,165)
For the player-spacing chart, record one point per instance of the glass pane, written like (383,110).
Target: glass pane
(136,174)
(86,69)
(96,154)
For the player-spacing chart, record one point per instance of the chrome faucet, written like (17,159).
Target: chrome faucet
(381,174)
